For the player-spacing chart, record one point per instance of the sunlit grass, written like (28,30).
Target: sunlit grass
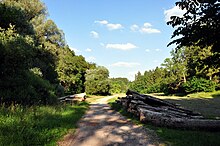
(93,98)
(37,125)
(206,103)
(205,94)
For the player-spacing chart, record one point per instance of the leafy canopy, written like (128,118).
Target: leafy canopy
(200,25)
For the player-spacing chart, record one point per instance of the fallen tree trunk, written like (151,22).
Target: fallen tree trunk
(173,121)
(149,99)
(163,113)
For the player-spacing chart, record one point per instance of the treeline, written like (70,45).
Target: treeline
(98,82)
(36,63)
(194,64)
(186,71)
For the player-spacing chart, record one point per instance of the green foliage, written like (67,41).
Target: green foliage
(37,125)
(97,82)
(199,85)
(34,56)
(199,26)
(12,15)
(119,85)
(115,88)
(151,81)
(71,71)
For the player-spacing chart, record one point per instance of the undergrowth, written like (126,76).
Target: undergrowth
(38,125)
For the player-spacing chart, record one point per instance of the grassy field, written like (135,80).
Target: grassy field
(206,103)
(38,125)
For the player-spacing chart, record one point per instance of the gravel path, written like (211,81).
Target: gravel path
(102,126)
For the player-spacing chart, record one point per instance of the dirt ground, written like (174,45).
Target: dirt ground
(102,126)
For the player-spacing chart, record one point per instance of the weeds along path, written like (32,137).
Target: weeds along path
(101,126)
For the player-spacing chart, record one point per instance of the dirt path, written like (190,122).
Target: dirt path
(102,126)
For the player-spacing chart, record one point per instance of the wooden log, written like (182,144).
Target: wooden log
(150,100)
(169,112)
(165,120)
(159,102)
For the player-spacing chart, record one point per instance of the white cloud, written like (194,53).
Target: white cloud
(124,47)
(147,24)
(149,30)
(134,27)
(157,50)
(103,22)
(146,28)
(147,50)
(90,59)
(125,64)
(75,50)
(175,11)
(88,50)
(110,26)
(94,34)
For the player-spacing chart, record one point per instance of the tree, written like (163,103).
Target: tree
(11,15)
(151,81)
(199,26)
(97,82)
(71,71)
(30,46)
(176,66)
(119,85)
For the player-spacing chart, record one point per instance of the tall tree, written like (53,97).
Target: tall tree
(199,26)
(177,65)
(97,81)
(71,71)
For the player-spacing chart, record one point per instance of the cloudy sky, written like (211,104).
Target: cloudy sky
(125,36)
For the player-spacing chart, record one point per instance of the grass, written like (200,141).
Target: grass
(175,137)
(92,98)
(38,125)
(206,103)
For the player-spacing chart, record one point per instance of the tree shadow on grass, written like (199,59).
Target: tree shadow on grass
(208,107)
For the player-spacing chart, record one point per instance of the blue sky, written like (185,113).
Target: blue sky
(124,36)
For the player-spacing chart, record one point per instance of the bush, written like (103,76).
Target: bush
(199,85)
(27,89)
(155,88)
(172,88)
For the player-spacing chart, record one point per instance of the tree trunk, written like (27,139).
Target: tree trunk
(163,113)
(172,121)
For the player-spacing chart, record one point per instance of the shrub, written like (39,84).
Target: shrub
(199,85)
(172,88)
(27,89)
(155,88)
